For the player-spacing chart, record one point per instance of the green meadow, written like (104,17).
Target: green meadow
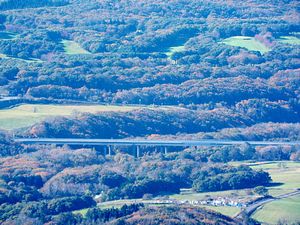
(29,114)
(81,211)
(30,60)
(73,48)
(249,43)
(289,40)
(3,55)
(287,210)
(285,174)
(229,211)
(173,50)
(225,210)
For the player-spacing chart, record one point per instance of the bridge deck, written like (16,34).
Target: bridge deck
(134,142)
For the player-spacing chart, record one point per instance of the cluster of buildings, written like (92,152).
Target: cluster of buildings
(220,201)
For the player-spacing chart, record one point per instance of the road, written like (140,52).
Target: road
(249,210)
(135,142)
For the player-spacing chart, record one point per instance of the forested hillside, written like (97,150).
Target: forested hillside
(166,70)
(156,52)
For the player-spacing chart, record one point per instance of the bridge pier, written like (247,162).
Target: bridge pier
(166,150)
(138,153)
(109,150)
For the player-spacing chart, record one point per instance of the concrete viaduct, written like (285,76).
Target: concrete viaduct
(109,144)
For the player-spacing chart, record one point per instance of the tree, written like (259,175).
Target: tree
(261,190)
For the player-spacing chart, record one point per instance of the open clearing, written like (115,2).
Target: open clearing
(289,40)
(73,48)
(81,211)
(29,114)
(285,173)
(31,60)
(285,209)
(3,55)
(226,210)
(173,50)
(249,43)
(287,176)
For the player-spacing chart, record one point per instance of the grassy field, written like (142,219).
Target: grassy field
(31,60)
(287,209)
(3,55)
(246,42)
(173,50)
(118,203)
(287,174)
(72,48)
(29,114)
(225,210)
(81,211)
(289,40)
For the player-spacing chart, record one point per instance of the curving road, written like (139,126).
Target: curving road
(250,209)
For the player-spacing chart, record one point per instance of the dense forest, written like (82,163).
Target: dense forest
(128,60)
(177,57)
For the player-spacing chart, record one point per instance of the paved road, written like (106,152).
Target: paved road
(135,142)
(252,208)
